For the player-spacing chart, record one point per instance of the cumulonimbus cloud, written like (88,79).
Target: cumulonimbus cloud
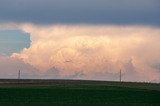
(95,51)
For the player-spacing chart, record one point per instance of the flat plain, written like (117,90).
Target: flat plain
(29,92)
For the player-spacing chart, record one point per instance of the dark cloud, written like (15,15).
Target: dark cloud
(81,11)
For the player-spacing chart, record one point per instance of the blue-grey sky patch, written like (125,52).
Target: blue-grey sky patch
(81,11)
(13,41)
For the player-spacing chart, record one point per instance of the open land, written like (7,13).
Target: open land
(40,92)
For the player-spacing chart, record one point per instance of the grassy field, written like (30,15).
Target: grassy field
(77,93)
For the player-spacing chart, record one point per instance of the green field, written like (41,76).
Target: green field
(79,93)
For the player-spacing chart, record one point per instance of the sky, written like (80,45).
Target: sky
(13,41)
(80,39)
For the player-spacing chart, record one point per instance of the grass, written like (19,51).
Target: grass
(78,94)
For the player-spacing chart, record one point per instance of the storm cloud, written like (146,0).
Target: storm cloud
(82,39)
(94,51)
(81,11)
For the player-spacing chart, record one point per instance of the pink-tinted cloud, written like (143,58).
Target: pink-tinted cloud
(94,51)
(9,68)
